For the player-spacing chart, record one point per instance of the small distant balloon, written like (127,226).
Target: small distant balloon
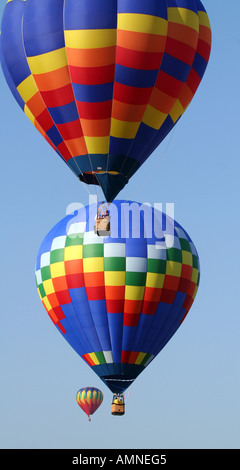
(89,399)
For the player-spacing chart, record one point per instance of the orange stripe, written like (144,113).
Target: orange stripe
(96,128)
(124,112)
(183,33)
(53,300)
(185,96)
(59,283)
(94,279)
(141,41)
(91,57)
(74,266)
(161,101)
(132,306)
(36,104)
(152,294)
(205,34)
(52,80)
(133,357)
(115,292)
(76,146)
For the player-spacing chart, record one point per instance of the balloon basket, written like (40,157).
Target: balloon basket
(118,405)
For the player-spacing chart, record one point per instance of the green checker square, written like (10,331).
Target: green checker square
(185,245)
(146,358)
(114,264)
(195,262)
(57,255)
(74,240)
(156,266)
(46,273)
(100,357)
(42,291)
(94,250)
(173,254)
(135,279)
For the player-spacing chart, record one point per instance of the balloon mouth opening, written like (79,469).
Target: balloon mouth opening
(111,182)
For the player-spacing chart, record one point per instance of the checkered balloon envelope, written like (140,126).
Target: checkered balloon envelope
(118,298)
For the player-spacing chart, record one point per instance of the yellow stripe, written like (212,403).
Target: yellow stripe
(142,23)
(47,304)
(39,293)
(73,252)
(154,280)
(29,114)
(90,38)
(97,144)
(203,19)
(48,286)
(176,111)
(57,269)
(183,16)
(194,277)
(48,62)
(134,292)
(27,88)
(124,129)
(195,292)
(91,265)
(94,358)
(114,278)
(140,358)
(173,268)
(187,258)
(153,117)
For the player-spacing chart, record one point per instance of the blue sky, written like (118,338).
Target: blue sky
(188,397)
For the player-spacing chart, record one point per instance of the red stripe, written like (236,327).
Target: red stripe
(95,293)
(115,306)
(193,80)
(204,49)
(45,121)
(75,280)
(88,360)
(183,285)
(63,297)
(92,75)
(129,94)
(125,356)
(70,130)
(167,296)
(180,50)
(94,110)
(169,85)
(63,150)
(138,59)
(149,308)
(130,319)
(58,97)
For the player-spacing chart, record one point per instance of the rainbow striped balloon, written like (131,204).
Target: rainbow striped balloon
(89,399)
(104,81)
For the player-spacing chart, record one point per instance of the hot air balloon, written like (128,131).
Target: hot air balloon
(118,299)
(89,399)
(104,81)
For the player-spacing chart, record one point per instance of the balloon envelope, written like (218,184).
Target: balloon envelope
(89,399)
(118,299)
(104,81)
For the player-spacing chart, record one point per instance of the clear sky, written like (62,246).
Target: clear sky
(188,397)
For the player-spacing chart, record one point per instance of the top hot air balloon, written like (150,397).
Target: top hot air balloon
(104,81)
